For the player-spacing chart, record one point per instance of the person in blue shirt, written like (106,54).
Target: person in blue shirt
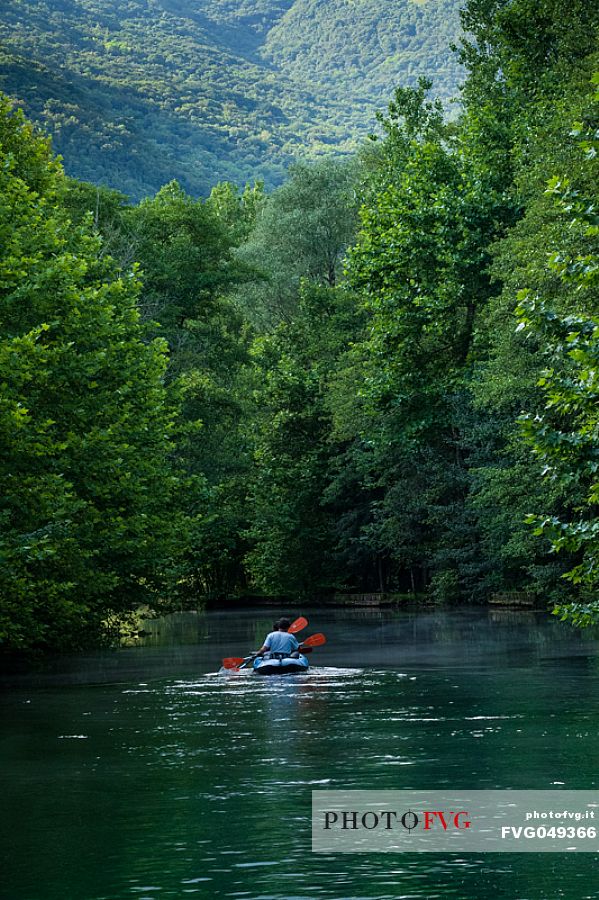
(280,641)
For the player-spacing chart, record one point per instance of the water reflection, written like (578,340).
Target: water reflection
(189,644)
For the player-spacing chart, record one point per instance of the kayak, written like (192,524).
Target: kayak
(277,664)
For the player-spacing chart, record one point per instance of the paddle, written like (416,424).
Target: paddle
(315,640)
(233,662)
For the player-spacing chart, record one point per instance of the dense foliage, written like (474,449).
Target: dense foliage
(565,435)
(87,487)
(143,91)
(381,375)
(416,435)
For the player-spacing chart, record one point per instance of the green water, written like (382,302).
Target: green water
(138,774)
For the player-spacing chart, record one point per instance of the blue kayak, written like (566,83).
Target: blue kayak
(280,664)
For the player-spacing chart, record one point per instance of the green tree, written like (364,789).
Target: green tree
(529,66)
(295,528)
(87,523)
(302,231)
(420,265)
(564,435)
(237,210)
(184,249)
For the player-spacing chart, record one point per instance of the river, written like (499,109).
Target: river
(141,774)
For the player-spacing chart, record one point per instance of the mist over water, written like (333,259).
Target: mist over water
(143,774)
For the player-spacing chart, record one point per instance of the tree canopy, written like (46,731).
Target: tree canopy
(379,376)
(85,429)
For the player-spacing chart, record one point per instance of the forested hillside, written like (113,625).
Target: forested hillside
(356,50)
(136,92)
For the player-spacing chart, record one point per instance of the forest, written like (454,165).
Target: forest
(380,376)
(136,93)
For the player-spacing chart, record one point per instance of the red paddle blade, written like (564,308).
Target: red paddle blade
(315,640)
(231,662)
(298,625)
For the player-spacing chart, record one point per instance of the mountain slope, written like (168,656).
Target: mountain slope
(362,48)
(137,92)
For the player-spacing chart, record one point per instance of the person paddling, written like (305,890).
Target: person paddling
(279,641)
(280,653)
